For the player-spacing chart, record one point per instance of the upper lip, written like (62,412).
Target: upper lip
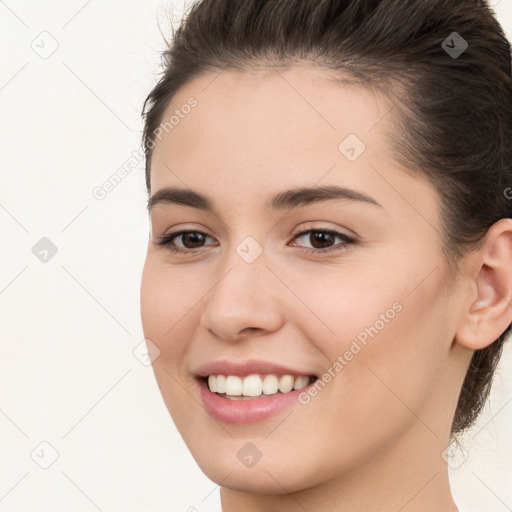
(225,367)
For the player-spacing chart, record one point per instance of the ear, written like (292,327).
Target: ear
(489,308)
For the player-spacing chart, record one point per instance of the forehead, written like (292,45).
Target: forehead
(299,111)
(260,132)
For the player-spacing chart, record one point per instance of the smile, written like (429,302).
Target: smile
(253,386)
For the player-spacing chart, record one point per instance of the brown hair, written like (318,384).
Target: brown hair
(453,117)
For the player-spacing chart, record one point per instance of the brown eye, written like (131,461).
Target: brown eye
(322,240)
(190,239)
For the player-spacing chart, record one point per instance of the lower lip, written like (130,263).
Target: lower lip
(246,411)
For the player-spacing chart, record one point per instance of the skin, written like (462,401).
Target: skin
(372,439)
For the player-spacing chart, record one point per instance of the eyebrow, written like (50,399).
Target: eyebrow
(287,199)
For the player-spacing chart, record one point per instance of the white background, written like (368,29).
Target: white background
(68,375)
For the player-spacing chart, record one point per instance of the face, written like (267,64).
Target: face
(348,289)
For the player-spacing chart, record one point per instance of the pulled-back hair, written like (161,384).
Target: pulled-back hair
(452,114)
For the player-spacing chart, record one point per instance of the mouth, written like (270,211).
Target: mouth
(251,398)
(255,386)
(250,391)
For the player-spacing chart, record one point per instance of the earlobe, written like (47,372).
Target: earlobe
(490,311)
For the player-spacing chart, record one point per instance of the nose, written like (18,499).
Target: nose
(244,300)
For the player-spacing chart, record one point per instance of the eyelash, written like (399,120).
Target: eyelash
(165,240)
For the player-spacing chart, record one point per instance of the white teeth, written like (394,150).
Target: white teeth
(233,385)
(270,385)
(300,382)
(253,385)
(212,381)
(286,383)
(220,384)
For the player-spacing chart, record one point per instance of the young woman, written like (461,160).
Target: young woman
(328,280)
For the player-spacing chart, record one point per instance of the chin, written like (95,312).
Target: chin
(280,472)
(270,479)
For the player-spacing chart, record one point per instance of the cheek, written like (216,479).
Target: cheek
(344,304)
(383,316)
(167,302)
(383,300)
(392,349)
